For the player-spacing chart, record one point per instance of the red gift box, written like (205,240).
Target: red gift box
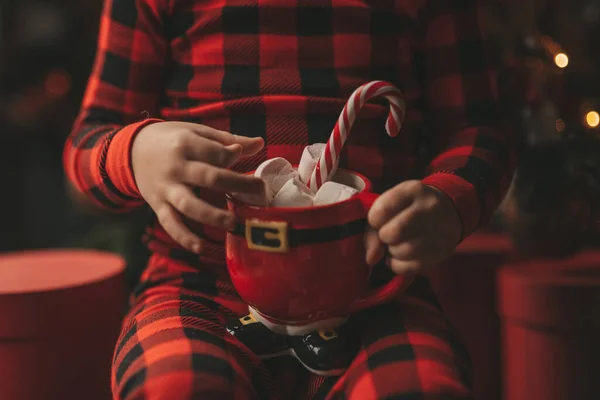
(60,316)
(551,328)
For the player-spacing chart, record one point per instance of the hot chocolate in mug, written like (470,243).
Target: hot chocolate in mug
(305,267)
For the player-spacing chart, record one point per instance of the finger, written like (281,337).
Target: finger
(401,228)
(250,145)
(183,200)
(402,267)
(174,226)
(375,250)
(205,150)
(202,174)
(407,250)
(393,202)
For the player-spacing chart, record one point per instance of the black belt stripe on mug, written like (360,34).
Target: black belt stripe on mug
(297,237)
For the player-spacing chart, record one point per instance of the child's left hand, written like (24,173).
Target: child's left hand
(417,222)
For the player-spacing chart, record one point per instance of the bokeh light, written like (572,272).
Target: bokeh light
(58,83)
(592,119)
(561,60)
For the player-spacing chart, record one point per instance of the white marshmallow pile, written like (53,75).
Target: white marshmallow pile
(287,187)
(293,194)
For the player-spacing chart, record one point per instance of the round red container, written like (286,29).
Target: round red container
(466,287)
(551,328)
(60,314)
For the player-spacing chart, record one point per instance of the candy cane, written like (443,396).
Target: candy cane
(328,160)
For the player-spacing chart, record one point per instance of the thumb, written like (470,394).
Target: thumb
(392,202)
(375,249)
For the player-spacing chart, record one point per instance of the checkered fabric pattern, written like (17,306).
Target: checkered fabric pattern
(174,346)
(283,69)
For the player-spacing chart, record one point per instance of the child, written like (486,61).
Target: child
(226,85)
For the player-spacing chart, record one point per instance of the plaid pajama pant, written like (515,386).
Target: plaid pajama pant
(174,346)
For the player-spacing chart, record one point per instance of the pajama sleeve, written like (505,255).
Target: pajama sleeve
(474,162)
(123,90)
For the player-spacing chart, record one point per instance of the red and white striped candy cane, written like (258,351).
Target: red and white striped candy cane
(328,160)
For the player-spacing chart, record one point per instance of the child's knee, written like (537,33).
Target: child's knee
(180,375)
(428,379)
(187,382)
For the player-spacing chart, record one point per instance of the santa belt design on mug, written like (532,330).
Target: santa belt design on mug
(275,236)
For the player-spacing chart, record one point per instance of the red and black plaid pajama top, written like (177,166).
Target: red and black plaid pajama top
(283,69)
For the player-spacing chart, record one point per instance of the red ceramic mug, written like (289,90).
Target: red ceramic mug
(303,265)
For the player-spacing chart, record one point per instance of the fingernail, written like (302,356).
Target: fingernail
(197,248)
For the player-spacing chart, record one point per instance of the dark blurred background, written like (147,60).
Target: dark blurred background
(548,58)
(546,50)
(47,50)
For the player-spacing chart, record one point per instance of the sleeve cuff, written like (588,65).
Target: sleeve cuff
(462,194)
(118,158)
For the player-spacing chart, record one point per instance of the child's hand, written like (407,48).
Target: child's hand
(169,158)
(418,223)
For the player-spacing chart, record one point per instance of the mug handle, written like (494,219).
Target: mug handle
(388,291)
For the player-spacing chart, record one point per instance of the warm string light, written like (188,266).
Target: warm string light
(592,119)
(561,60)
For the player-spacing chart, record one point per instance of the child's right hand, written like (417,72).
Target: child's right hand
(169,158)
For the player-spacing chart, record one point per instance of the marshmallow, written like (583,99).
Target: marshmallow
(293,194)
(275,172)
(333,192)
(308,161)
